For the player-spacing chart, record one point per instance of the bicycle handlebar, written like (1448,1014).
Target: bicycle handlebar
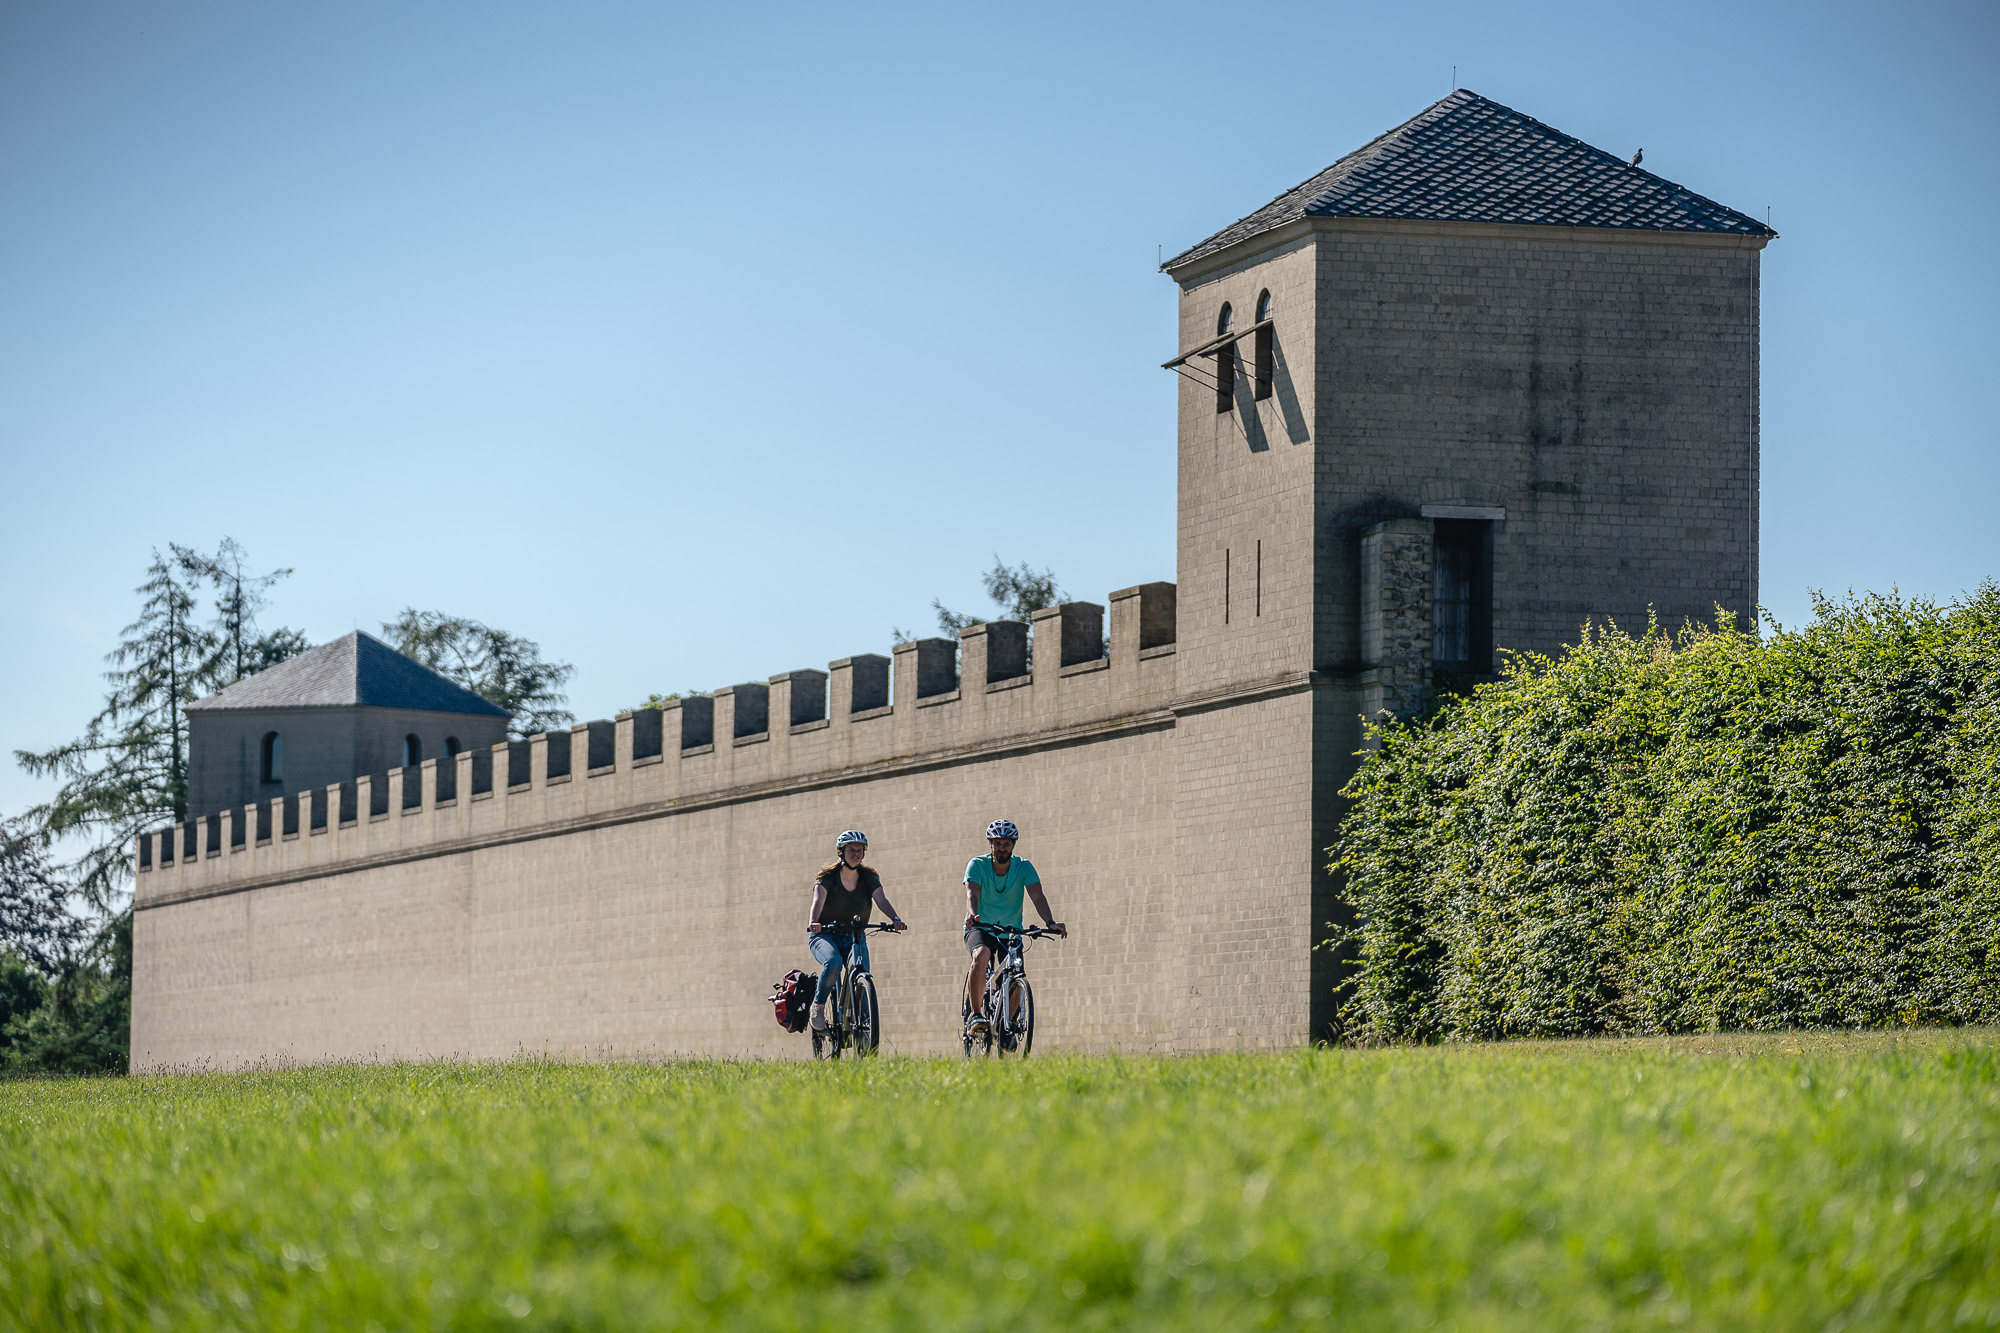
(1029,932)
(850,927)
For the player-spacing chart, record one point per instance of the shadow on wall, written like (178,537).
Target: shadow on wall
(1245,397)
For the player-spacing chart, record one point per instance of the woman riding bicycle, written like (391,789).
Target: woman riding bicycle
(843,893)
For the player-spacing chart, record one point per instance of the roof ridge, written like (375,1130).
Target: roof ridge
(1380,143)
(1468,158)
(1335,165)
(1564,136)
(333,675)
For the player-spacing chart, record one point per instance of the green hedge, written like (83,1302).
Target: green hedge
(1696,832)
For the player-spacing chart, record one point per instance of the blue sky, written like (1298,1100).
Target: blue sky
(703,343)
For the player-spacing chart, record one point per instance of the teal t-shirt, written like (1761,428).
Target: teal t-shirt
(1001,896)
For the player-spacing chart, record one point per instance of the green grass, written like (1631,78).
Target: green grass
(1827,1181)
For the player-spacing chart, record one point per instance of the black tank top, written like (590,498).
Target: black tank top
(848,905)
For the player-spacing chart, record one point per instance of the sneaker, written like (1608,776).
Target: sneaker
(819,1017)
(978,1026)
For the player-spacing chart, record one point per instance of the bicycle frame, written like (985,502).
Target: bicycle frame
(1015,1031)
(843,1027)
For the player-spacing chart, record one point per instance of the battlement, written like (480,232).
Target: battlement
(933,703)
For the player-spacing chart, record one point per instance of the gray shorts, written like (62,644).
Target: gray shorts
(976,939)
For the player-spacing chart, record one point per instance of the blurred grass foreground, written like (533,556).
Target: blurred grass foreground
(1774,1181)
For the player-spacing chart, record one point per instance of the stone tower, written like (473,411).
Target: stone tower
(354,705)
(1471,385)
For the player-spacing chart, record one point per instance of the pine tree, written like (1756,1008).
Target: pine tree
(35,924)
(128,771)
(239,650)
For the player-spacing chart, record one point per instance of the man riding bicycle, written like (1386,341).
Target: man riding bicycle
(995,885)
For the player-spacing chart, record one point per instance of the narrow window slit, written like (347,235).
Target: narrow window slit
(1265,348)
(1225,364)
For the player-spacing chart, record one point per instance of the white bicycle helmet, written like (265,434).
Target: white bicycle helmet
(852,835)
(1002,828)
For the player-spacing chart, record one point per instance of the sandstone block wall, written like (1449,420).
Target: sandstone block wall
(1597,385)
(322,745)
(633,888)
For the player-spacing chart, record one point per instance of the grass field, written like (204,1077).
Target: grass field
(1810,1182)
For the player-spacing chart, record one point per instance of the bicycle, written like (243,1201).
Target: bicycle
(853,1017)
(1013,1031)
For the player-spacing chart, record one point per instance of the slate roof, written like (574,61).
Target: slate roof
(358,670)
(1470,159)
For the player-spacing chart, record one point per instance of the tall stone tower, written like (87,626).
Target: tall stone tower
(1471,385)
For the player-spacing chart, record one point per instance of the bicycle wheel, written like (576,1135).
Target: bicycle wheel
(826,1044)
(867,1027)
(1019,1017)
(973,1045)
(842,1015)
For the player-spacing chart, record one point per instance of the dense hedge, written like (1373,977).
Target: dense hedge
(1704,831)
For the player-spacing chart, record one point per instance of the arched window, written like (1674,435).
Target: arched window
(273,757)
(413,751)
(451,745)
(1266,350)
(1225,363)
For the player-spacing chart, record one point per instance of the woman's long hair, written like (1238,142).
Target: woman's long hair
(837,864)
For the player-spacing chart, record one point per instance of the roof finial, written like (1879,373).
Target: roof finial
(1454,78)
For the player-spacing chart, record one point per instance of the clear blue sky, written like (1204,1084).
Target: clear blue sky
(703,343)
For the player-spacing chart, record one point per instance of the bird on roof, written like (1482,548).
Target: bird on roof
(1637,158)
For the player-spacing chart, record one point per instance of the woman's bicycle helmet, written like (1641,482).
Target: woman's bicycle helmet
(1002,828)
(852,835)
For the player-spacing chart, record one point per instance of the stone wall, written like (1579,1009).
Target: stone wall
(634,887)
(1596,385)
(1396,615)
(322,745)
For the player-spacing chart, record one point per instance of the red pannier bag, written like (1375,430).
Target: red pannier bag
(792,999)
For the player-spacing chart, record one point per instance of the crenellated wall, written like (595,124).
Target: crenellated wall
(953,702)
(634,886)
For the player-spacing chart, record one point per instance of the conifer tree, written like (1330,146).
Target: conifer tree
(128,771)
(238,650)
(35,926)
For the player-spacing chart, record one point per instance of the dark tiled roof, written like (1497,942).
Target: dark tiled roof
(358,670)
(1469,159)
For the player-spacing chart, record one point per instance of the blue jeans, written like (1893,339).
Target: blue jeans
(832,953)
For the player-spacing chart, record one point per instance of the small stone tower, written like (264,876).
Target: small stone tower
(352,706)
(1471,385)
